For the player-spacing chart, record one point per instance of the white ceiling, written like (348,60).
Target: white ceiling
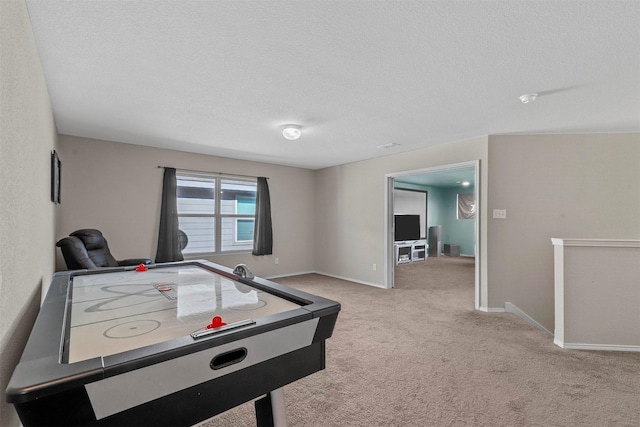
(449,178)
(222,77)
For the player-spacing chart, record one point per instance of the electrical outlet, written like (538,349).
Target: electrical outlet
(500,214)
(375,267)
(277,260)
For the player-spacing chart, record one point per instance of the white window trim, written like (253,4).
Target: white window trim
(217,215)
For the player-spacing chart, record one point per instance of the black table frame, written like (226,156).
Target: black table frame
(47,392)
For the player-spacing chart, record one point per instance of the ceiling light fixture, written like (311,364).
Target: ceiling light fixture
(528,98)
(466,184)
(291,132)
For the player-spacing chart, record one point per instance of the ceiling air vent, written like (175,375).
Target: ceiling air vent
(386,146)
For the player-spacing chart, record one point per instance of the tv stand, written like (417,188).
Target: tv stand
(410,251)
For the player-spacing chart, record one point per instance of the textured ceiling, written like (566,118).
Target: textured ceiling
(222,77)
(449,178)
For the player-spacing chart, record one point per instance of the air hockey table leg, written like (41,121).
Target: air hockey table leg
(271,410)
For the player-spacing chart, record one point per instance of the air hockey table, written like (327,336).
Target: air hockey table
(166,345)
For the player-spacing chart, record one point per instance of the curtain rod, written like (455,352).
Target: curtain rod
(214,173)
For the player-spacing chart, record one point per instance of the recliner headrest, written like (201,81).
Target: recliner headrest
(91,238)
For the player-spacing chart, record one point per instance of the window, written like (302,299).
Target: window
(244,230)
(217,213)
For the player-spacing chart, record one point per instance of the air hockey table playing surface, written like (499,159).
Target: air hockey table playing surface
(115,312)
(172,345)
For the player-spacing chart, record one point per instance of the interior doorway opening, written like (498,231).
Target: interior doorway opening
(451,224)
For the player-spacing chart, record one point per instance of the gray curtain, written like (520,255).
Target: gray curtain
(168,238)
(262,232)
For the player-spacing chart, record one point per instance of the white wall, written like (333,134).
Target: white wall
(434,201)
(411,202)
(116,188)
(27,216)
(350,218)
(563,186)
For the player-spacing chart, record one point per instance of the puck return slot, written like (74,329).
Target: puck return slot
(229,358)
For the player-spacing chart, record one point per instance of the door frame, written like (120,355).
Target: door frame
(388,237)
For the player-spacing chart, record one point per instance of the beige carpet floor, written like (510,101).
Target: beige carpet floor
(420,355)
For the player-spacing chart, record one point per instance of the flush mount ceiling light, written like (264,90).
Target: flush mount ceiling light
(291,132)
(528,98)
(466,184)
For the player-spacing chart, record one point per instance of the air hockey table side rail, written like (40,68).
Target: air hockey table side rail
(46,391)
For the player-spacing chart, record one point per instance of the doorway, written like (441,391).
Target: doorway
(447,182)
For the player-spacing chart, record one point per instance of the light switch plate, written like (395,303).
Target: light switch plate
(500,213)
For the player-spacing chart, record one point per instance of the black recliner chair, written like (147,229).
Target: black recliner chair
(88,249)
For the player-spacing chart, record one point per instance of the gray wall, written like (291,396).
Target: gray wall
(116,188)
(564,186)
(330,221)
(581,186)
(27,216)
(350,219)
(597,308)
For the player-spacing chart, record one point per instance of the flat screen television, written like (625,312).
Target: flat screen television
(406,227)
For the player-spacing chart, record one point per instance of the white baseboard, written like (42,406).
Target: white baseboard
(325,274)
(491,309)
(375,285)
(278,276)
(511,308)
(599,347)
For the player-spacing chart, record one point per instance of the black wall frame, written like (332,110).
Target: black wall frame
(56,171)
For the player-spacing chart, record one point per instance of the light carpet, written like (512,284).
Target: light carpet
(421,355)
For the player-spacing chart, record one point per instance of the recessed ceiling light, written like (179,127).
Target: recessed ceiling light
(466,184)
(528,97)
(291,132)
